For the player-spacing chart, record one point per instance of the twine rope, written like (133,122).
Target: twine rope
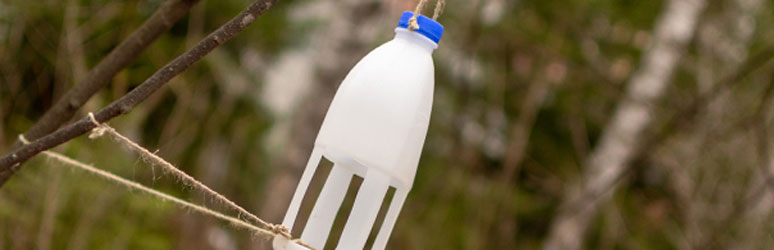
(139,187)
(154,159)
(439,6)
(263,227)
(102,128)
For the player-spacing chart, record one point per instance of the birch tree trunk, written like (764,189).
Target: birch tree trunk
(674,29)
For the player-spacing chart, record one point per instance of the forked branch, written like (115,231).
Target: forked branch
(10,163)
(119,58)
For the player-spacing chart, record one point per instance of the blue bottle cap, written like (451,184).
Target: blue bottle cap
(427,26)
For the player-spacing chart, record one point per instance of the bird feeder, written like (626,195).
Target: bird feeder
(375,128)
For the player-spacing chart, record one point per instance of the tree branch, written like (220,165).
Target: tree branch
(678,121)
(10,163)
(624,132)
(685,117)
(119,58)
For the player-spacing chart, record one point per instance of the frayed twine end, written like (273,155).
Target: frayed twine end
(98,131)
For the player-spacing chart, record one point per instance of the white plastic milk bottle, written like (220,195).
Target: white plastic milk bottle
(375,128)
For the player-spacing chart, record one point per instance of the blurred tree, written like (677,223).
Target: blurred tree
(531,98)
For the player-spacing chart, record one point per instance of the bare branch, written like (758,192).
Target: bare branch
(624,133)
(685,117)
(678,121)
(9,163)
(119,58)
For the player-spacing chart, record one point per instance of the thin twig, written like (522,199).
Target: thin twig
(9,163)
(119,58)
(676,122)
(624,133)
(741,208)
(684,117)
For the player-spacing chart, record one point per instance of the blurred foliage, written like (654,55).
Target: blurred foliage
(582,51)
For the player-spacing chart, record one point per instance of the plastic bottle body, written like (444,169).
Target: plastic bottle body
(381,111)
(375,128)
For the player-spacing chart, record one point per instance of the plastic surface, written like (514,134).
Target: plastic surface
(381,111)
(375,128)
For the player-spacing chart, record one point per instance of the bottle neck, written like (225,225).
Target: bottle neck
(415,38)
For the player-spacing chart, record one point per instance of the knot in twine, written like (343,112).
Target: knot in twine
(98,131)
(439,5)
(281,230)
